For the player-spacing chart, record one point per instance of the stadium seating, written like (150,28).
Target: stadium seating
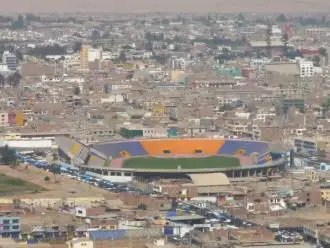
(264,158)
(182,146)
(121,149)
(241,147)
(258,150)
(75,149)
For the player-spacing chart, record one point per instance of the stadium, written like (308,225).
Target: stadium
(172,158)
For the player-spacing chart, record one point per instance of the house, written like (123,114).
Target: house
(87,212)
(80,243)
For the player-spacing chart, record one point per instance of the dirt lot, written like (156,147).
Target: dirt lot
(58,186)
(12,186)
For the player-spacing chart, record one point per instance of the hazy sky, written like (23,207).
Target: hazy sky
(164,5)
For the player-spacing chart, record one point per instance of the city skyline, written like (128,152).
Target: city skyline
(164,6)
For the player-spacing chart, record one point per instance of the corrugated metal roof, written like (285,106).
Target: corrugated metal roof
(105,234)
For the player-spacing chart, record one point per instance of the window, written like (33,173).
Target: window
(6,228)
(15,221)
(80,211)
(15,227)
(5,221)
(167,151)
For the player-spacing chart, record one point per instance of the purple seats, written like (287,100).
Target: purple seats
(243,147)
(264,158)
(121,149)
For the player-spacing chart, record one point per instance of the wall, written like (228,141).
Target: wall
(150,202)
(115,179)
(27,143)
(184,146)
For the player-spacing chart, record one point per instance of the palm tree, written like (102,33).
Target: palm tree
(2,81)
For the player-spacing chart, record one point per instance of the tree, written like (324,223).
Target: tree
(241,17)
(142,206)
(122,57)
(323,52)
(106,35)
(18,24)
(76,91)
(96,35)
(316,60)
(77,46)
(47,179)
(32,17)
(2,81)
(285,39)
(281,18)
(14,79)
(19,55)
(322,153)
(8,156)
(43,51)
(106,88)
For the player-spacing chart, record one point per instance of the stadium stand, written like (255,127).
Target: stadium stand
(121,149)
(264,158)
(182,146)
(241,147)
(126,149)
(75,149)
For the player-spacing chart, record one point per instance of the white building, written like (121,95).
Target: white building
(259,63)
(80,242)
(113,98)
(94,54)
(306,68)
(178,63)
(120,86)
(157,132)
(263,116)
(10,60)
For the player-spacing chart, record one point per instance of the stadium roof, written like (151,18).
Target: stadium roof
(65,144)
(210,179)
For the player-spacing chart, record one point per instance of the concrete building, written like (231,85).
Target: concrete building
(177,63)
(94,54)
(10,60)
(10,226)
(306,68)
(80,242)
(84,57)
(305,146)
(129,131)
(260,47)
